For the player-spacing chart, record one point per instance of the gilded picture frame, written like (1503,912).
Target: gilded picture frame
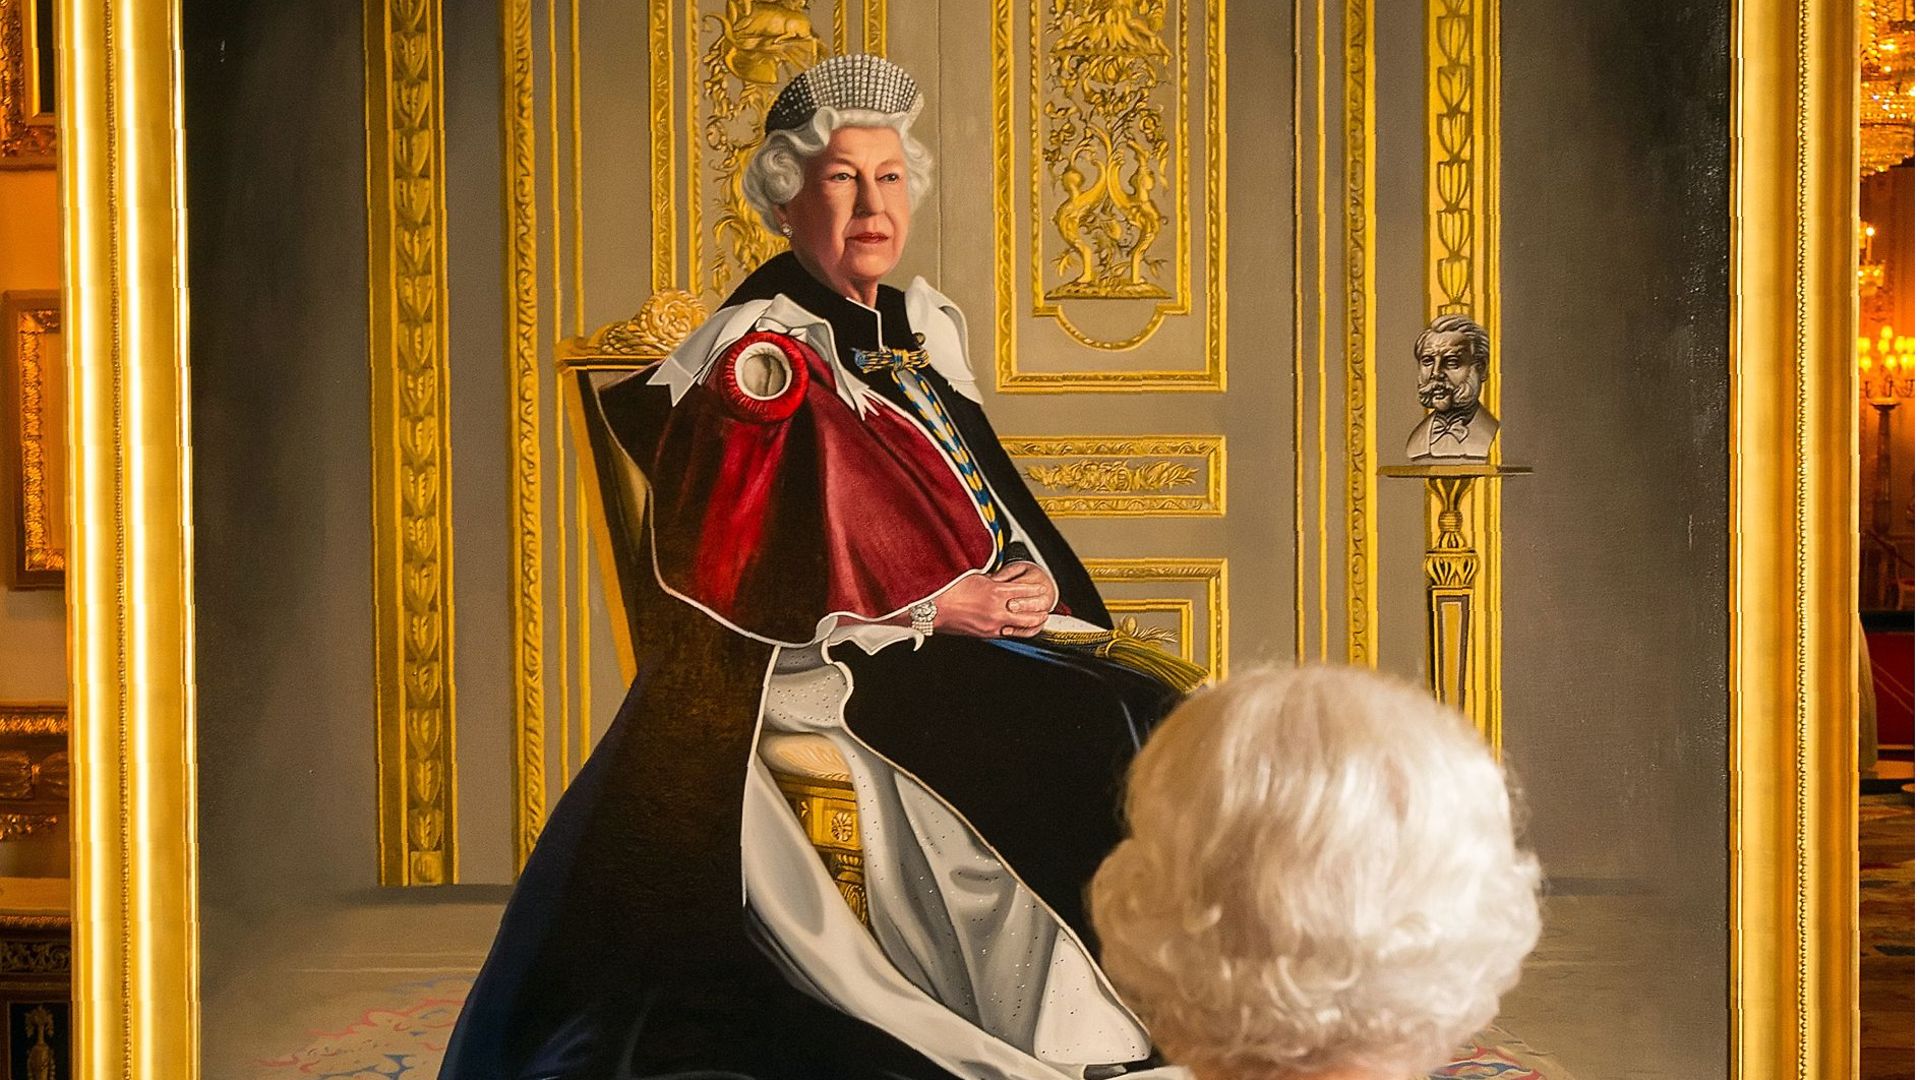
(1792,905)
(28,90)
(33,457)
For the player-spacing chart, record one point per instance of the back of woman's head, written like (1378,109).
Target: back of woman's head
(1320,873)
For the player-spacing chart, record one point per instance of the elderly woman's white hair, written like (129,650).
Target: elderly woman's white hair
(1320,874)
(778,168)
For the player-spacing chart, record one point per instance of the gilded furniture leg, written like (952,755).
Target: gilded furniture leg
(830,817)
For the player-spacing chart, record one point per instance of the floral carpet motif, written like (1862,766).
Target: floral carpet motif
(1485,1063)
(405,1038)
(400,1041)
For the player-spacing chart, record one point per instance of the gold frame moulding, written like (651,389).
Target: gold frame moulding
(1792,905)
(29,394)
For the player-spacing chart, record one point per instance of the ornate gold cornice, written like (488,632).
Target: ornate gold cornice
(1358,197)
(413,521)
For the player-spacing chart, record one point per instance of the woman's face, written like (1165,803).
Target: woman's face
(850,217)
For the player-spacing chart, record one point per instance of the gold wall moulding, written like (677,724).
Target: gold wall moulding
(27,94)
(1463,278)
(524,495)
(1362,513)
(412,518)
(35,768)
(737,54)
(34,380)
(1125,476)
(1110,206)
(38,719)
(1156,614)
(1209,575)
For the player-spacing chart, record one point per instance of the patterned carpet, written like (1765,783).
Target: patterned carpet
(1886,936)
(403,1037)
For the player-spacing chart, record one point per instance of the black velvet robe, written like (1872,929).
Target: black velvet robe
(626,949)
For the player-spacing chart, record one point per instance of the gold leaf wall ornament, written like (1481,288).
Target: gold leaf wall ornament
(1452,148)
(27,138)
(1103,165)
(1113,475)
(1109,98)
(413,522)
(35,318)
(1362,529)
(1125,476)
(30,720)
(34,957)
(755,46)
(1106,147)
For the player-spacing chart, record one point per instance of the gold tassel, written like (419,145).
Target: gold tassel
(1133,646)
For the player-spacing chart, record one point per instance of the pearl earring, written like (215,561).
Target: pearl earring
(786,230)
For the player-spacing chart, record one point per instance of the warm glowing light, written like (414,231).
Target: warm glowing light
(1890,381)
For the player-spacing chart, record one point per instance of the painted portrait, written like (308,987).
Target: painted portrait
(692,509)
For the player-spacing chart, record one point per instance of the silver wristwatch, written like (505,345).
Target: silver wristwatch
(922,615)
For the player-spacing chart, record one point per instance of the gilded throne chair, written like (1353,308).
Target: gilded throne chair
(808,769)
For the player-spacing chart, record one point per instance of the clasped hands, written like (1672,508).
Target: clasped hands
(1013,601)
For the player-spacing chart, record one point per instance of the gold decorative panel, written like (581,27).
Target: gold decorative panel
(34,426)
(735,55)
(1125,476)
(1112,214)
(1163,595)
(413,521)
(35,768)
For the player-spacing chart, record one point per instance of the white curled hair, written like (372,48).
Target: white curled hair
(779,166)
(1321,872)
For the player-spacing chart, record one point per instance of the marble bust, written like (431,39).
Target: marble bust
(1452,354)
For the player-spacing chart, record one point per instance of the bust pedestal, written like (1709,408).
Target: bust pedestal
(1456,643)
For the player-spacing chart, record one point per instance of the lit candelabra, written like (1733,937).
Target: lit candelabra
(1886,383)
(1886,369)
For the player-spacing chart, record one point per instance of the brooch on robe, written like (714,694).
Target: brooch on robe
(891,359)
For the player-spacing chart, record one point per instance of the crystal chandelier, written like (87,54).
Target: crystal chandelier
(1886,84)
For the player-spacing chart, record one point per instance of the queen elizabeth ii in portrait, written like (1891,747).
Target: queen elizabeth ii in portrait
(849,567)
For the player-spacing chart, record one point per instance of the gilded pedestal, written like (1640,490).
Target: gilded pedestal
(1460,648)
